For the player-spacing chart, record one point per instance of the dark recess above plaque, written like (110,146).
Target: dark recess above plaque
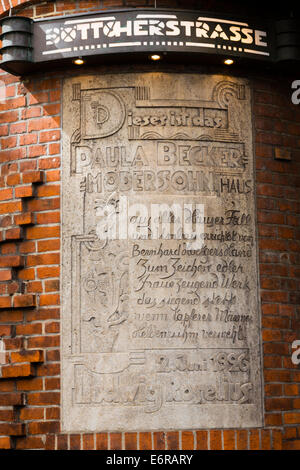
(182,36)
(288,40)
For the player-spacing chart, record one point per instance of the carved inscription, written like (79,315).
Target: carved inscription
(159,333)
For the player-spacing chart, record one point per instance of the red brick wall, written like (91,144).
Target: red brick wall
(30,159)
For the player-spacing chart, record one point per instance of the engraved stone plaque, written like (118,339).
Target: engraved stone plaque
(159,332)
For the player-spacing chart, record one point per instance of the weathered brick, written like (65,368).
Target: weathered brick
(32,112)
(53,327)
(28,356)
(52,383)
(30,442)
(11,316)
(13,343)
(28,139)
(37,205)
(43,123)
(62,442)
(24,370)
(37,151)
(291,445)
(43,341)
(172,440)
(187,440)
(48,272)
(43,398)
(34,287)
(5,301)
(29,384)
(12,429)
(48,190)
(50,442)
(229,440)
(9,207)
(292,417)
(215,440)
(254,439)
(26,274)
(145,441)
(6,194)
(34,233)
(278,404)
(49,299)
(101,442)
(43,427)
(75,442)
(8,142)
(13,234)
(5,442)
(88,442)
(202,440)
(10,116)
(24,191)
(7,385)
(115,441)
(42,259)
(52,175)
(37,98)
(13,179)
(5,330)
(24,300)
(49,136)
(48,245)
(12,399)
(27,218)
(53,413)
(265,439)
(32,177)
(18,128)
(9,248)
(273,419)
(3,130)
(276,439)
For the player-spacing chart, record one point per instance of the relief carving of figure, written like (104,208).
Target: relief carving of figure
(105,288)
